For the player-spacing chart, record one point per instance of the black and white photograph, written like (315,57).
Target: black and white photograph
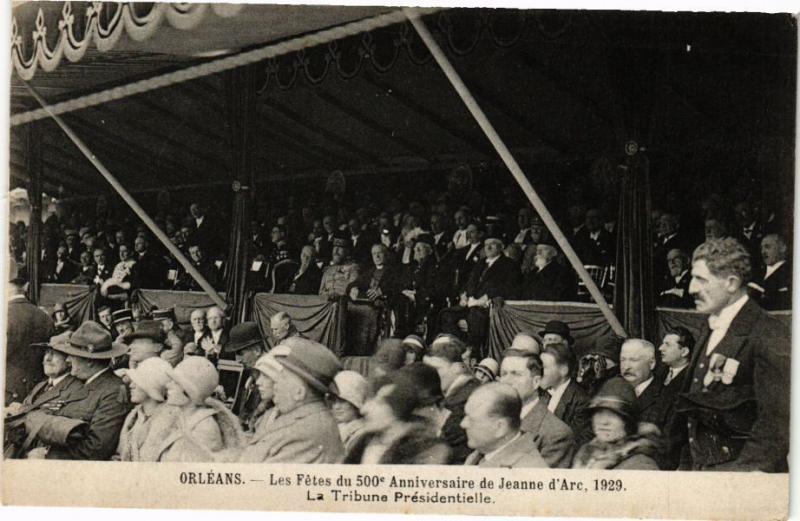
(431,259)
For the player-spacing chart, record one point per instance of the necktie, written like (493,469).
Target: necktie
(669,377)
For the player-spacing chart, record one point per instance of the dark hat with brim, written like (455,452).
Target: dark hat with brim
(425,238)
(559,328)
(607,346)
(92,341)
(147,329)
(618,396)
(61,340)
(242,336)
(341,242)
(164,314)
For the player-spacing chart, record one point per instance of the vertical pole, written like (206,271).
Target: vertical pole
(513,166)
(35,164)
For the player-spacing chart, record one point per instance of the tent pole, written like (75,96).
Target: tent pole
(34,250)
(210,291)
(515,169)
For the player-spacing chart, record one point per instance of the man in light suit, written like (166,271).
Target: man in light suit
(302,428)
(736,399)
(522,370)
(492,423)
(26,324)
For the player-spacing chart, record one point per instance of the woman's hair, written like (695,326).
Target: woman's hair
(415,385)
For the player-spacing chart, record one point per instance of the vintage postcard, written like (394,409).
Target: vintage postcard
(384,259)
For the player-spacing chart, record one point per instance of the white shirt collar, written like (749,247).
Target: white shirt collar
(55,381)
(639,389)
(199,220)
(772,269)
(95,375)
(489,261)
(499,449)
(679,277)
(726,316)
(528,407)
(215,335)
(457,383)
(555,395)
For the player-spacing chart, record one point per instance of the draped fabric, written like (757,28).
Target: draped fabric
(80,301)
(315,317)
(35,166)
(184,302)
(585,321)
(240,102)
(634,302)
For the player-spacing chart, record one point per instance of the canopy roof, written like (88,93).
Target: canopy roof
(709,95)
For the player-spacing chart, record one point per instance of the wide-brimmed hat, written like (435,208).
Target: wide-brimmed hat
(152,376)
(242,336)
(415,343)
(559,328)
(616,395)
(424,379)
(351,387)
(489,367)
(425,238)
(91,340)
(311,361)
(61,339)
(390,355)
(122,315)
(147,329)
(607,346)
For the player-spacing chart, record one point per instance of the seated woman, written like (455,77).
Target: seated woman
(148,384)
(119,282)
(194,427)
(61,318)
(398,421)
(414,348)
(352,391)
(620,441)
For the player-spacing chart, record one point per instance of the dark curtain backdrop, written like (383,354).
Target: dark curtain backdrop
(634,302)
(81,301)
(240,103)
(33,241)
(315,317)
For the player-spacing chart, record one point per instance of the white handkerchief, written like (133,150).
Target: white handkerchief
(256,266)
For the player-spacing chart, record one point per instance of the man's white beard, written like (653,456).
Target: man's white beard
(540,262)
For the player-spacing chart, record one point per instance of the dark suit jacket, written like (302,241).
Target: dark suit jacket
(105,273)
(756,402)
(461,265)
(184,281)
(150,271)
(452,432)
(68,272)
(553,283)
(552,437)
(673,425)
(676,294)
(501,279)
(390,283)
(25,325)
(650,403)
(103,405)
(61,391)
(362,250)
(600,252)
(571,410)
(777,288)
(307,283)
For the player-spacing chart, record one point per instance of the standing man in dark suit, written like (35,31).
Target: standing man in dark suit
(749,232)
(773,289)
(737,399)
(463,260)
(445,355)
(25,325)
(550,281)
(676,350)
(566,399)
(101,404)
(150,270)
(205,234)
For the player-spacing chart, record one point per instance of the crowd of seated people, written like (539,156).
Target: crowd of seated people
(145,389)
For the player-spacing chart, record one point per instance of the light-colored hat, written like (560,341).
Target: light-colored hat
(197,377)
(527,343)
(314,363)
(93,341)
(152,376)
(489,367)
(351,387)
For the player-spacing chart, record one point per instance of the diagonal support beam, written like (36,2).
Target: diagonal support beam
(511,163)
(210,291)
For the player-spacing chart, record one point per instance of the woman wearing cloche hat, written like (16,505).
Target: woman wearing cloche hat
(148,391)
(352,390)
(620,441)
(195,427)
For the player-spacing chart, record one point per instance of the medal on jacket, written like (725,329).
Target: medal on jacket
(729,370)
(714,373)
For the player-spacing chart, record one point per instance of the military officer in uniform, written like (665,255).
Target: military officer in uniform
(340,274)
